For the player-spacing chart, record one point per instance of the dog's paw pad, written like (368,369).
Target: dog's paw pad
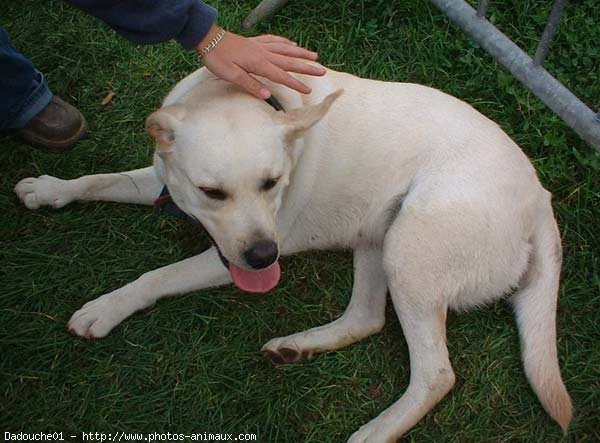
(289,355)
(273,356)
(282,354)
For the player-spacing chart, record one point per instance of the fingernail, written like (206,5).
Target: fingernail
(265,93)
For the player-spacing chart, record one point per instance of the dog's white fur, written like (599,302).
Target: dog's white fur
(439,205)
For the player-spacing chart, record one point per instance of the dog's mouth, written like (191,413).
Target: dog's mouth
(256,280)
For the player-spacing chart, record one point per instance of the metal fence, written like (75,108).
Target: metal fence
(530,72)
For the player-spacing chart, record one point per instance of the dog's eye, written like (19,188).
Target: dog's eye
(213,193)
(269,184)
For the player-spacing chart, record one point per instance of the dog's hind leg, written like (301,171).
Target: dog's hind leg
(140,186)
(364,316)
(431,376)
(97,317)
(416,289)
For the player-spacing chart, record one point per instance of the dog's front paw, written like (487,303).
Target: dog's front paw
(44,191)
(96,318)
(285,350)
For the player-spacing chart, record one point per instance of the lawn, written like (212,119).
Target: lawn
(192,363)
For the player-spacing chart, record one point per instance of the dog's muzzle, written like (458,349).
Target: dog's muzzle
(262,256)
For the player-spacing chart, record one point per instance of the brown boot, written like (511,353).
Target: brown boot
(57,127)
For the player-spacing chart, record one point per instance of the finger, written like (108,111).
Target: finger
(240,77)
(269,38)
(278,75)
(291,51)
(290,64)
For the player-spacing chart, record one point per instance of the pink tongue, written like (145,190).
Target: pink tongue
(262,280)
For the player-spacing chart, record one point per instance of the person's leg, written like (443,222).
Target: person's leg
(24,91)
(28,105)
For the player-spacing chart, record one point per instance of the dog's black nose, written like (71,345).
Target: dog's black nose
(262,254)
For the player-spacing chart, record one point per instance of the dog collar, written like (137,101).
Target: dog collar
(274,103)
(165,203)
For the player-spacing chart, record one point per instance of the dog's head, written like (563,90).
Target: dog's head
(227,158)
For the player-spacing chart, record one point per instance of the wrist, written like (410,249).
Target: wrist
(210,41)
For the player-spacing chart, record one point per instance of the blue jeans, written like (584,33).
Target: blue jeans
(24,91)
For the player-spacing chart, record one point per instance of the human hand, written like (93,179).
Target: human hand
(235,58)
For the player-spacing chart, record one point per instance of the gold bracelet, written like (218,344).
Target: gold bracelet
(214,42)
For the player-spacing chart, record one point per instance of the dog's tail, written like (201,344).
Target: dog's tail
(535,311)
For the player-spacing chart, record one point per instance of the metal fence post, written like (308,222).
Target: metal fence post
(265,9)
(542,50)
(556,96)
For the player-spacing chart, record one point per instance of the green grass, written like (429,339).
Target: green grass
(191,364)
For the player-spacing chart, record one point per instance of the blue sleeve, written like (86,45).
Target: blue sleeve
(154,21)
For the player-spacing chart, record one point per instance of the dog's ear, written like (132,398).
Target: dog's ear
(161,125)
(299,120)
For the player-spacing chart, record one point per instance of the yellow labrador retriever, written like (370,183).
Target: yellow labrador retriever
(441,208)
